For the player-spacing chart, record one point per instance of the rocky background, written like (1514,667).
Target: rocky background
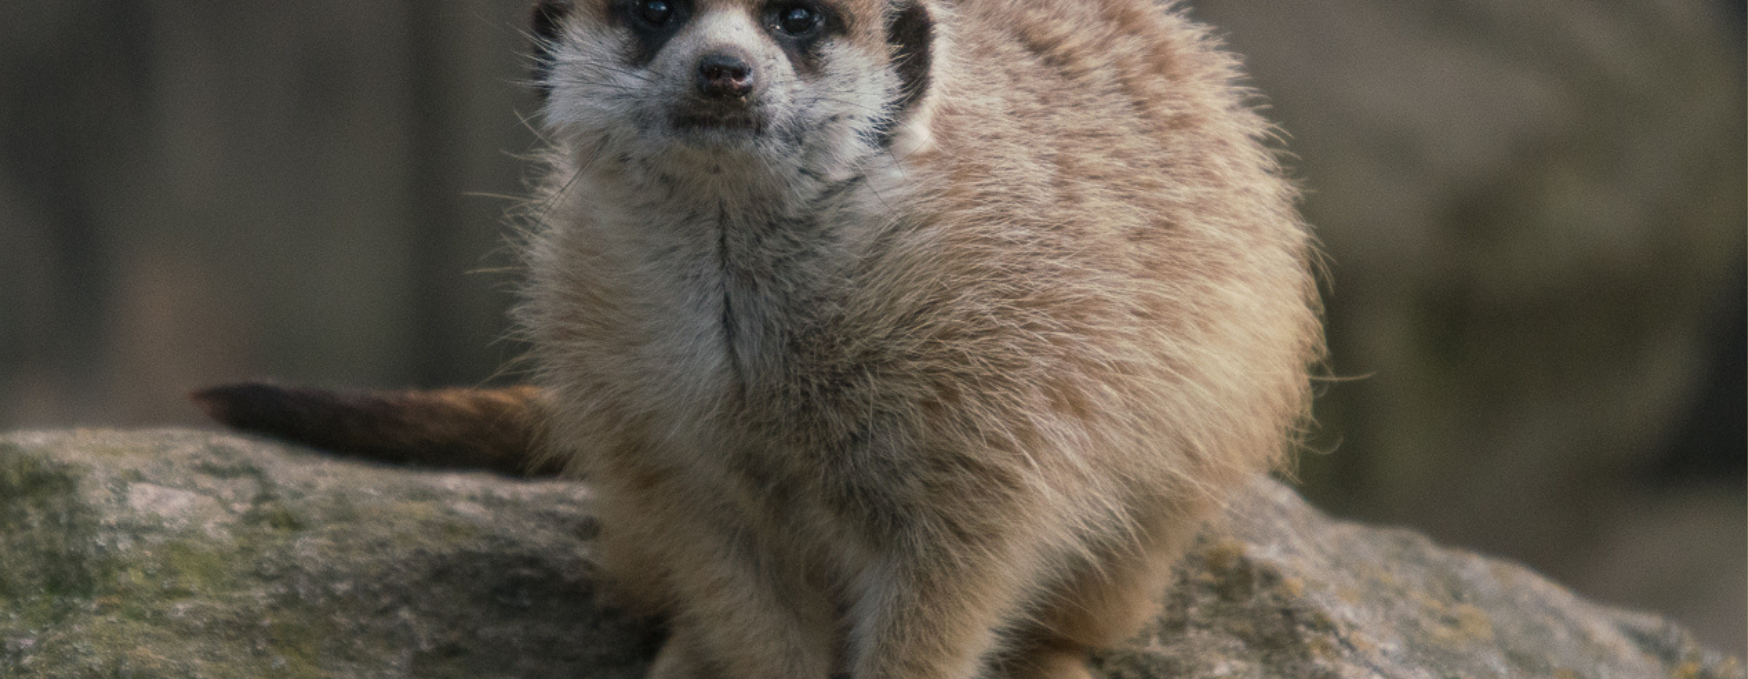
(1533,211)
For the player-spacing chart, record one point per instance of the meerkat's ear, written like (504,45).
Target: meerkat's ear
(910,33)
(543,28)
(484,429)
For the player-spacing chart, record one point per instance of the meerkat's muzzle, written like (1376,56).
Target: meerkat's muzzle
(725,76)
(724,95)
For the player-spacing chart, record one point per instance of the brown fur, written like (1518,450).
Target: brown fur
(961,422)
(933,375)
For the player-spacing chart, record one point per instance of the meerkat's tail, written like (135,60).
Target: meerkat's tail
(488,429)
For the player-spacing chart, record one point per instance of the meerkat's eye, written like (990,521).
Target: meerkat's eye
(655,12)
(797,19)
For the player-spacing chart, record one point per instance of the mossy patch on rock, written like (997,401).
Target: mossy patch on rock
(47,561)
(179,554)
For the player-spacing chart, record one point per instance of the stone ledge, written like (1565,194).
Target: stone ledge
(192,554)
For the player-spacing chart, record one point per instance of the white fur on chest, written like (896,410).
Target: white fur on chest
(706,288)
(662,269)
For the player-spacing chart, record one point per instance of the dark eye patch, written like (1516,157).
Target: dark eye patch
(800,27)
(655,13)
(910,33)
(651,27)
(798,20)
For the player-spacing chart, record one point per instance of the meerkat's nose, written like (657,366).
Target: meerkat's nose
(724,76)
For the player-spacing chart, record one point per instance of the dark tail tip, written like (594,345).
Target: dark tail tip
(284,412)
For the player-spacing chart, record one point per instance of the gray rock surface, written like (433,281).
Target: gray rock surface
(191,554)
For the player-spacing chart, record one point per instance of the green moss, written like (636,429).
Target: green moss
(185,566)
(118,451)
(455,531)
(57,575)
(235,470)
(117,646)
(299,644)
(47,537)
(273,516)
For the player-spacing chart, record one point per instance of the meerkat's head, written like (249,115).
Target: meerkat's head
(676,82)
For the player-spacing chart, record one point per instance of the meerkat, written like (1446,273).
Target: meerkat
(899,339)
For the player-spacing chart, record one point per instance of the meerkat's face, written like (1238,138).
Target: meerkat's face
(780,79)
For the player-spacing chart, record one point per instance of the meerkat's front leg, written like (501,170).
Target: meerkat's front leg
(931,604)
(679,659)
(734,619)
(932,615)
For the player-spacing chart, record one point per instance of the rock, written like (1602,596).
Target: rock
(193,555)
(190,555)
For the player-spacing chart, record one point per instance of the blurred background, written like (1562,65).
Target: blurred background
(1534,212)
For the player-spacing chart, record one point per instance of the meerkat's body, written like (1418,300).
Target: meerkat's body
(924,355)
(902,339)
